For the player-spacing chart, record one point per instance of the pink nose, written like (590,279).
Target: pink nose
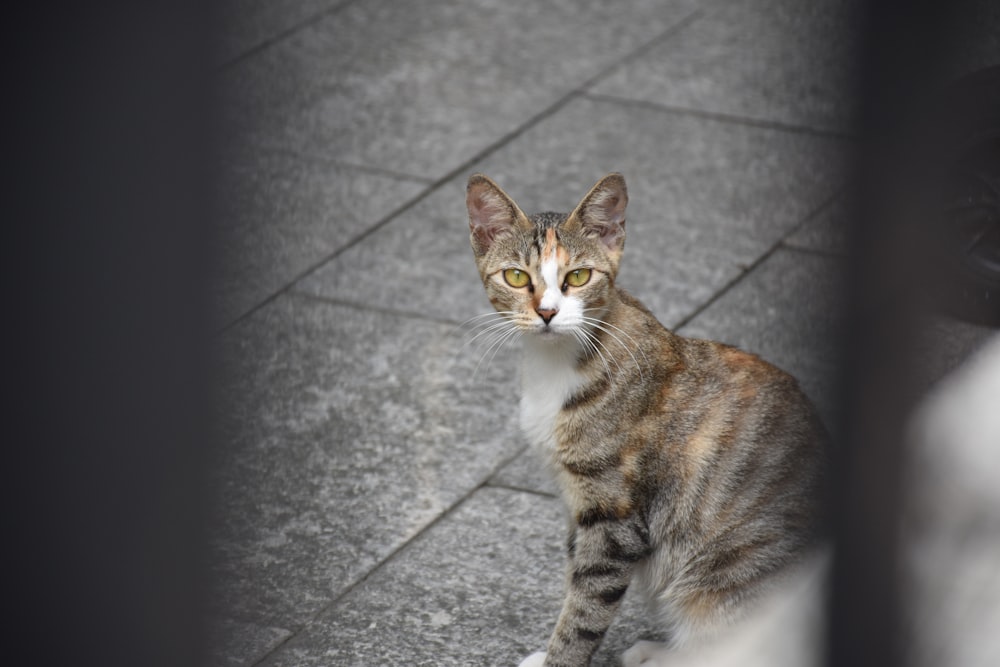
(546,314)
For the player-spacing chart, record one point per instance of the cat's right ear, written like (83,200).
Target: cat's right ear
(492,213)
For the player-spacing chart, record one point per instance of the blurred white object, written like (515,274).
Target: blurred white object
(951,527)
(785,631)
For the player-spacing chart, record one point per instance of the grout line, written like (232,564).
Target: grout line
(521,489)
(757,262)
(281,36)
(461,168)
(818,252)
(409,314)
(376,171)
(394,553)
(325,159)
(640,50)
(722,117)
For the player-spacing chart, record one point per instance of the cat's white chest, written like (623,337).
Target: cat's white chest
(548,379)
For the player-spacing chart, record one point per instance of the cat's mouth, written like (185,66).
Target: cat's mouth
(549,331)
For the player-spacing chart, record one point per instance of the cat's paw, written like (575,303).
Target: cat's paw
(534,660)
(646,654)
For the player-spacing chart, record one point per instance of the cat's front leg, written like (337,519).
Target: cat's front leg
(603,553)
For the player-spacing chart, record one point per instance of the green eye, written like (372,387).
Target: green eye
(578,278)
(516,277)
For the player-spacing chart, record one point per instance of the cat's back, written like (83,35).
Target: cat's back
(735,420)
(728,436)
(705,381)
(729,378)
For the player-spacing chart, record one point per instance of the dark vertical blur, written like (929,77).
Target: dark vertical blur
(909,131)
(104,376)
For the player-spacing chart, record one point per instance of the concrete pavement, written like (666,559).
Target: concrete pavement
(376,504)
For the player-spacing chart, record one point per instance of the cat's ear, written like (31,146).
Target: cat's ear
(601,214)
(491,213)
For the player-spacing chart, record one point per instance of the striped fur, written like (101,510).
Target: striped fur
(690,469)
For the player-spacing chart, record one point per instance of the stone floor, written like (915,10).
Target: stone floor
(375,502)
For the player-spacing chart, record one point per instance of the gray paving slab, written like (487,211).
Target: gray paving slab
(783,61)
(236,643)
(529,471)
(482,587)
(281,213)
(789,311)
(249,24)
(345,433)
(707,199)
(422,87)
(827,232)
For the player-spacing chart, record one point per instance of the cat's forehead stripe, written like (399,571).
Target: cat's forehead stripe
(549,249)
(552,249)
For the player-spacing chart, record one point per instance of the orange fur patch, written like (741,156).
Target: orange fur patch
(703,606)
(549,249)
(704,440)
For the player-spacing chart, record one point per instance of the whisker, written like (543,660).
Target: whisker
(496,343)
(490,329)
(606,328)
(621,331)
(494,313)
(498,339)
(597,341)
(483,320)
(472,325)
(494,340)
(514,334)
(494,334)
(635,344)
(478,321)
(587,341)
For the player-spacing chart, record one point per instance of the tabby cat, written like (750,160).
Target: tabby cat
(689,467)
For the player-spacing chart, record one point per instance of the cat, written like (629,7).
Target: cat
(690,469)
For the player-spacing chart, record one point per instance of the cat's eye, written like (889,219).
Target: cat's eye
(578,277)
(516,278)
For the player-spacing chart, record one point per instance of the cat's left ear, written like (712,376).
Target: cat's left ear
(601,214)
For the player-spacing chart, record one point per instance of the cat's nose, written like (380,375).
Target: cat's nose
(546,313)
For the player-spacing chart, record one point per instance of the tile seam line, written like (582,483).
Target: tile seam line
(824,205)
(721,117)
(640,50)
(436,185)
(375,171)
(816,252)
(448,511)
(456,327)
(521,489)
(346,303)
(309,156)
(282,35)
